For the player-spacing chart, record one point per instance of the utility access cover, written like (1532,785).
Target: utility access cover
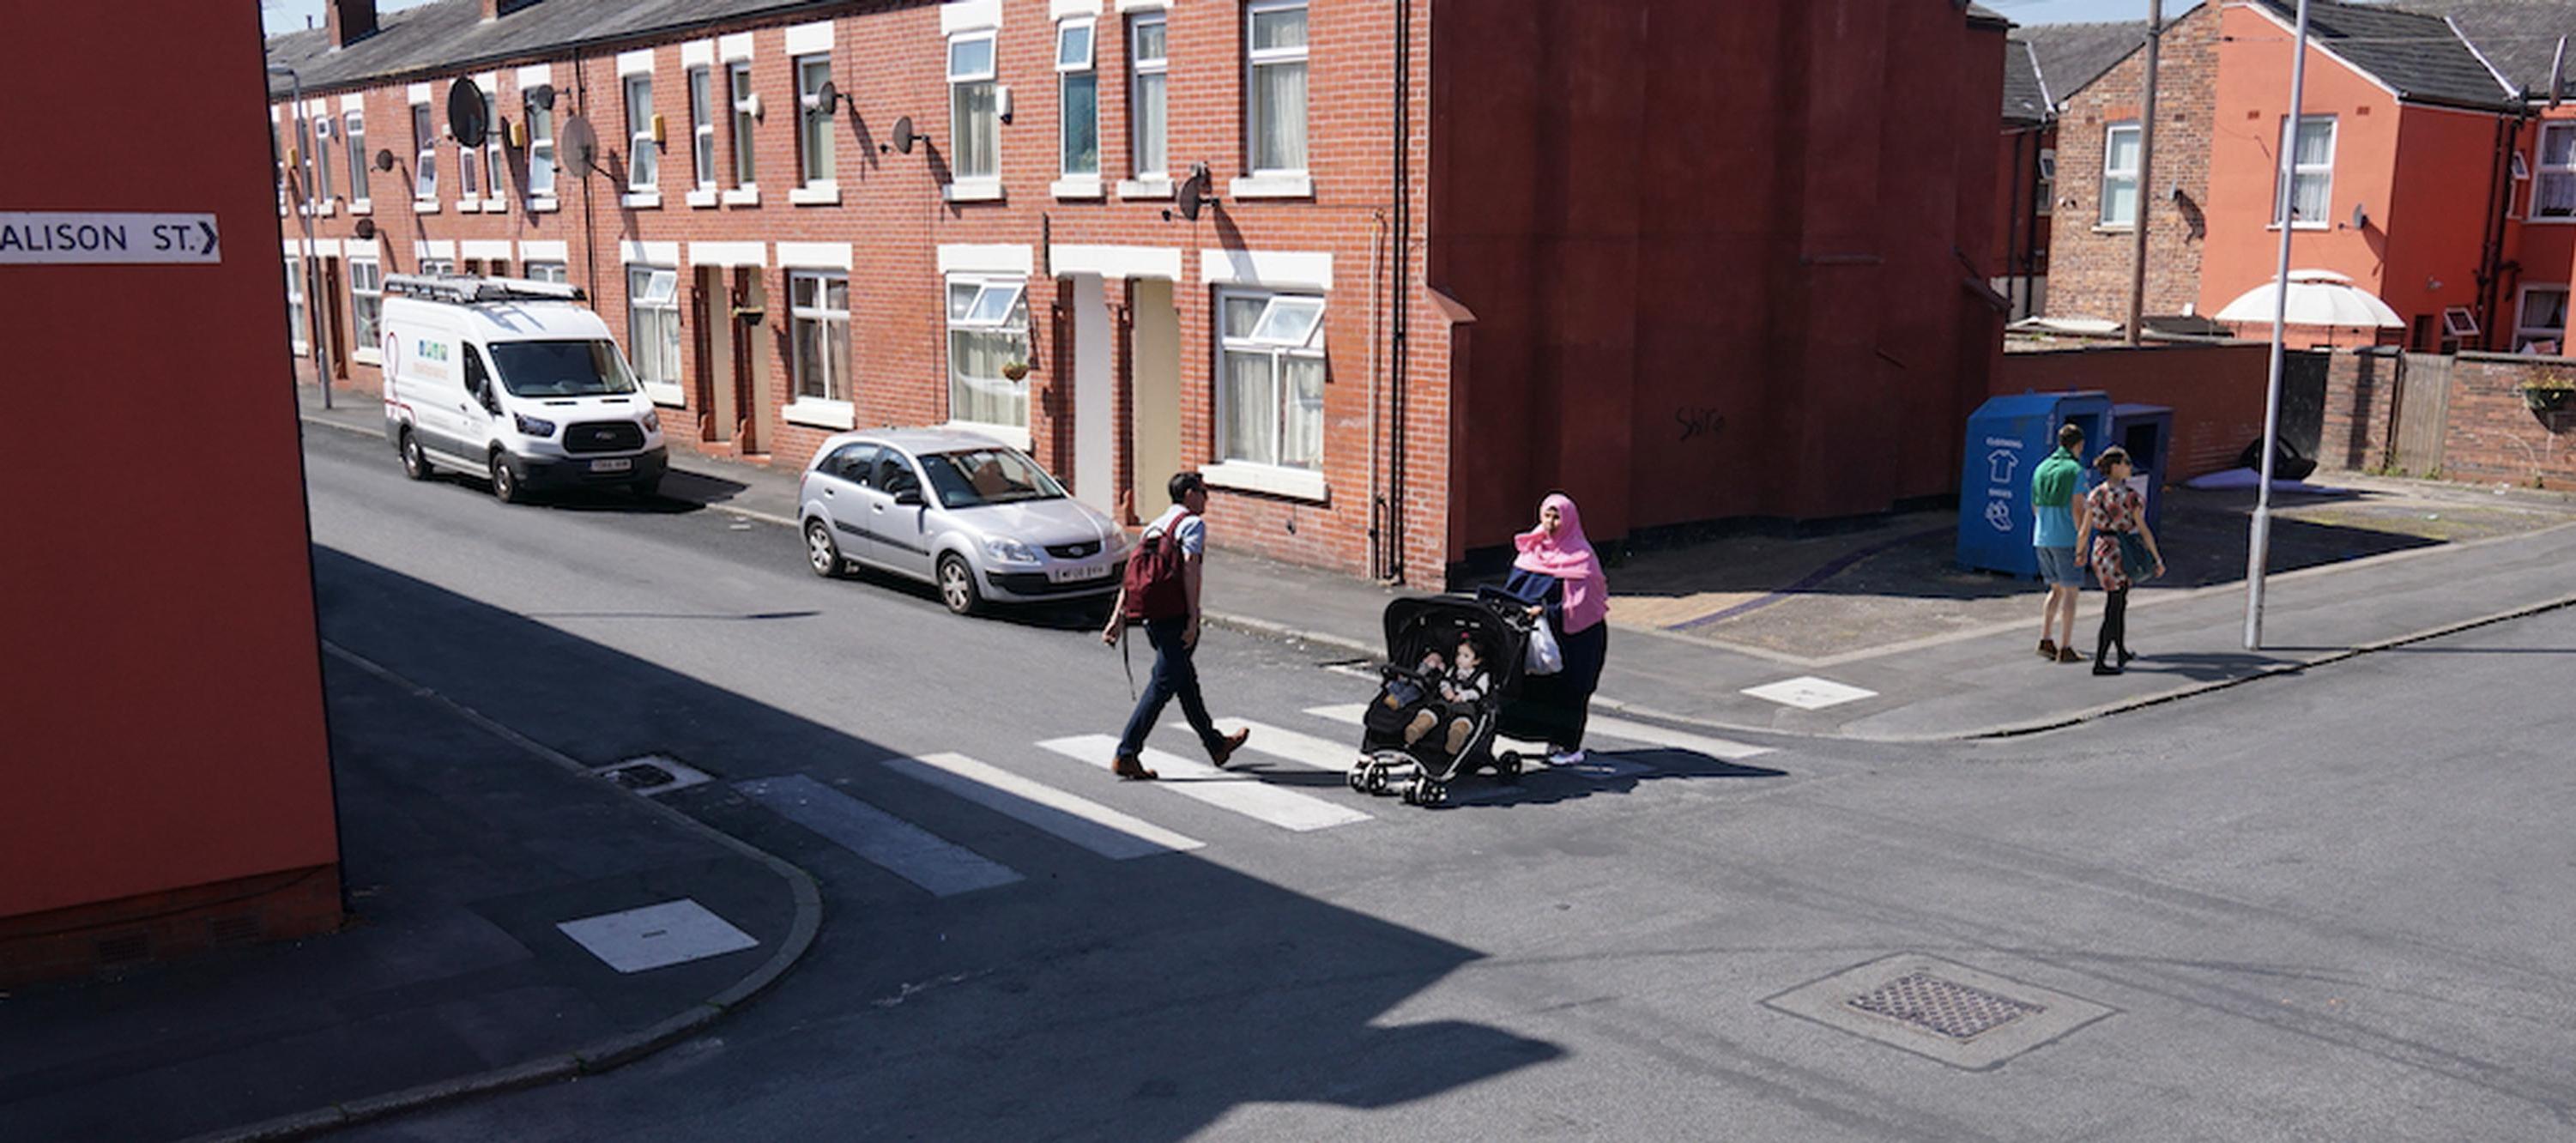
(1931,1007)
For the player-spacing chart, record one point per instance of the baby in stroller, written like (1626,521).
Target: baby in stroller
(1462,683)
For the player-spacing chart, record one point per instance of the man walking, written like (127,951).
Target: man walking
(2052,500)
(1161,591)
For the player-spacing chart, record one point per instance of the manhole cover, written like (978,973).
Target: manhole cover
(1950,1012)
(652,774)
(1942,1007)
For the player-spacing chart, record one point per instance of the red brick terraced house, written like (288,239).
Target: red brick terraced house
(2043,65)
(1386,271)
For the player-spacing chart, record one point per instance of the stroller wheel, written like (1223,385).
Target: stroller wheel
(1357,777)
(1507,768)
(1377,778)
(1429,793)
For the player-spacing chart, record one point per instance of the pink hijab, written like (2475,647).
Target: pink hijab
(1568,556)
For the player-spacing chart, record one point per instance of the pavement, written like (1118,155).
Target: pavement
(1867,630)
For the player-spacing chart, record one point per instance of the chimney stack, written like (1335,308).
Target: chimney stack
(350,20)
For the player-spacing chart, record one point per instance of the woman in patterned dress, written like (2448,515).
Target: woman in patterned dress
(2109,510)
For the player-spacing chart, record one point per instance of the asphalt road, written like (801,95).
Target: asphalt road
(2327,907)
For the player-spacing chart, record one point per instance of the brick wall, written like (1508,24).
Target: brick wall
(2215,391)
(2493,435)
(2361,391)
(2089,266)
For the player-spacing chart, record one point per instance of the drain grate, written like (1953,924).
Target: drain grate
(652,774)
(1942,1007)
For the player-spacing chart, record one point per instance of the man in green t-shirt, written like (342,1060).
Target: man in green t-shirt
(2052,502)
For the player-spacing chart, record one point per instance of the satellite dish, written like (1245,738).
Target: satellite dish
(580,143)
(384,160)
(825,99)
(2360,216)
(465,113)
(1194,192)
(904,137)
(542,95)
(366,228)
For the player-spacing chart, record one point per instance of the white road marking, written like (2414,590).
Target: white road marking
(1287,745)
(1286,809)
(1807,692)
(1617,728)
(1086,823)
(673,932)
(886,841)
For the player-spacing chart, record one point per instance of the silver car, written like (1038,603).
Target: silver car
(977,519)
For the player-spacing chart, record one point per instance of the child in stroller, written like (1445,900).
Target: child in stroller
(1452,663)
(1460,684)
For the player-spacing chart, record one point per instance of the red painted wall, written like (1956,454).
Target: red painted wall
(165,707)
(1715,252)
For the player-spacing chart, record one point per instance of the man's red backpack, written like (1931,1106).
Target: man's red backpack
(1154,589)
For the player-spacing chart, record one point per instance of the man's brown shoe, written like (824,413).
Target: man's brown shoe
(2048,648)
(1233,742)
(1126,766)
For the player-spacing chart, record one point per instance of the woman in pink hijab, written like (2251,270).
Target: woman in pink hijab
(1559,576)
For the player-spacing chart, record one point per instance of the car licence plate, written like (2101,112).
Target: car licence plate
(619,464)
(1075,575)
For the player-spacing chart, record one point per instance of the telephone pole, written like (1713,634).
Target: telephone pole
(2146,176)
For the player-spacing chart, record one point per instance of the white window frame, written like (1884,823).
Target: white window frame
(1275,475)
(2544,174)
(643,155)
(424,159)
(2130,175)
(363,302)
(1084,68)
(1147,179)
(817,152)
(470,165)
(323,135)
(546,270)
(964,185)
(744,155)
(702,134)
(541,155)
(1010,292)
(643,307)
(353,139)
(2524,333)
(496,199)
(2045,200)
(299,324)
(2303,172)
(835,409)
(277,159)
(1254,59)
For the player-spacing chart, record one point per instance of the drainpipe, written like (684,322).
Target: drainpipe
(2499,204)
(306,139)
(1402,191)
(1376,506)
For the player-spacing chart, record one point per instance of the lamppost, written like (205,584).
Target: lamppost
(2258,545)
(306,138)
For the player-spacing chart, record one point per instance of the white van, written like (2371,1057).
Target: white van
(516,381)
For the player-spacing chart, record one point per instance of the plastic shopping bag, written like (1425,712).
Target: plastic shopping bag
(1544,657)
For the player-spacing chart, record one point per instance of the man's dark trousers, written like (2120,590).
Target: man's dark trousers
(1174,677)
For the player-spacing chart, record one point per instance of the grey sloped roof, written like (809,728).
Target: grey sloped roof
(2046,63)
(2520,37)
(450,35)
(2416,53)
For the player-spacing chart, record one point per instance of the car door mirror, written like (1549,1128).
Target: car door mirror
(908,498)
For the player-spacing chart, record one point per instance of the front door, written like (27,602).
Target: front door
(706,284)
(1095,480)
(753,409)
(336,335)
(1155,350)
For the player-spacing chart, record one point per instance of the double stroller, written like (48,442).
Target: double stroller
(1453,666)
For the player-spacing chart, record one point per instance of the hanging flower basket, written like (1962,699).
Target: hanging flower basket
(2549,391)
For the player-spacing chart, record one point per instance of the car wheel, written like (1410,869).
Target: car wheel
(821,553)
(957,585)
(415,462)
(505,483)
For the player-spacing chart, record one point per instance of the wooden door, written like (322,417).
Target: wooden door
(2421,412)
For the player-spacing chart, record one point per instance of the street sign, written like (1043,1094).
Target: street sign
(129,237)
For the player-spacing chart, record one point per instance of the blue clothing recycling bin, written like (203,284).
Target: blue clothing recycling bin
(2146,431)
(2007,438)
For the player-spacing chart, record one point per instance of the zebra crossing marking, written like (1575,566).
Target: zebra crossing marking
(1289,746)
(1199,781)
(890,843)
(1619,728)
(1086,823)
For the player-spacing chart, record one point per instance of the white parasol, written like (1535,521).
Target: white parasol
(2317,297)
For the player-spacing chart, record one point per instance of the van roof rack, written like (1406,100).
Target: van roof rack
(469,288)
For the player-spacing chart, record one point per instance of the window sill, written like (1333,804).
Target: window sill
(641,200)
(742,196)
(1012,435)
(2275,228)
(2121,228)
(1076,187)
(1160,188)
(1241,476)
(666,393)
(362,206)
(470,206)
(702,199)
(374,357)
(498,204)
(820,413)
(1283,185)
(815,194)
(424,206)
(544,204)
(326,210)
(973,190)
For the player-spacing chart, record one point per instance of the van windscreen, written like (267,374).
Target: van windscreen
(561,368)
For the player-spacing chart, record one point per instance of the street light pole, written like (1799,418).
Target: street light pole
(2258,545)
(306,139)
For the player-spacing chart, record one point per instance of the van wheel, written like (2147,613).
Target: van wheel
(821,553)
(415,462)
(957,585)
(505,483)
